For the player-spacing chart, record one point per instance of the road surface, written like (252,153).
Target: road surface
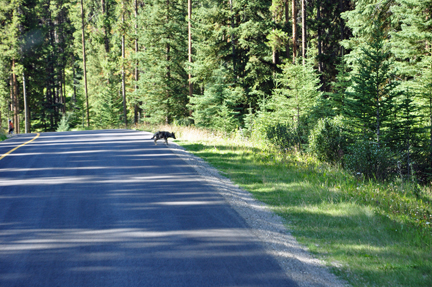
(109,208)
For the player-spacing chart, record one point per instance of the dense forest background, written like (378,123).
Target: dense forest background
(350,81)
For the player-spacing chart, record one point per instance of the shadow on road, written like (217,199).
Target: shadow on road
(109,208)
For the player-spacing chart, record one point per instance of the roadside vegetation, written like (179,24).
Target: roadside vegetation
(370,232)
(3,135)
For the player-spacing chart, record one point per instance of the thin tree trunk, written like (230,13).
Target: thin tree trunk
(105,13)
(377,113)
(342,34)
(287,22)
(274,48)
(168,58)
(232,41)
(303,31)
(64,91)
(320,68)
(12,103)
(74,79)
(84,64)
(123,69)
(190,45)
(15,100)
(294,28)
(136,108)
(26,111)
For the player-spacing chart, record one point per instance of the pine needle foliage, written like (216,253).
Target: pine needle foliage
(371,104)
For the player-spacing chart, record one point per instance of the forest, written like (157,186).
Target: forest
(349,81)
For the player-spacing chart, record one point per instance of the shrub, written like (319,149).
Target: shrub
(3,135)
(286,136)
(327,141)
(370,159)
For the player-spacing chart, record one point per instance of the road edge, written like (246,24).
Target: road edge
(293,258)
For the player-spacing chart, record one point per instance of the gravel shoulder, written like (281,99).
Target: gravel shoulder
(297,262)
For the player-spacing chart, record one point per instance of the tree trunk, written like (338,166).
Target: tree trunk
(168,58)
(84,64)
(12,103)
(294,29)
(74,79)
(15,100)
(136,108)
(320,68)
(286,22)
(64,91)
(378,124)
(303,31)
(123,69)
(232,41)
(342,34)
(190,45)
(105,15)
(26,111)
(274,52)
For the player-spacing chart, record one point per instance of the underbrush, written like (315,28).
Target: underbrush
(369,233)
(3,135)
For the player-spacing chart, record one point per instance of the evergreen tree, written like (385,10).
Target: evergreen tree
(163,85)
(340,87)
(411,45)
(405,135)
(236,36)
(361,21)
(296,92)
(371,104)
(216,108)
(326,28)
(10,41)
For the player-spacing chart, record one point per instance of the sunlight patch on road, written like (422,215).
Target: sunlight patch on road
(111,179)
(47,239)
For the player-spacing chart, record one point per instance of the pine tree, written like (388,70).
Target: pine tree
(371,103)
(340,87)
(326,29)
(163,85)
(296,92)
(405,133)
(237,37)
(216,108)
(412,47)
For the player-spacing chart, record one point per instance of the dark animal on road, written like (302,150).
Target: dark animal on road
(163,135)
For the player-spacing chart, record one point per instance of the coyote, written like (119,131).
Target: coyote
(163,135)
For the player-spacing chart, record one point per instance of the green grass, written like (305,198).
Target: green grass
(369,234)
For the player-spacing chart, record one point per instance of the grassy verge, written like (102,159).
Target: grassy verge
(370,234)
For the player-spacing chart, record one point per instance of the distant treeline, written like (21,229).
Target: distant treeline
(350,81)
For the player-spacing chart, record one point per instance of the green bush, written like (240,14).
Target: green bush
(286,137)
(3,135)
(370,159)
(327,141)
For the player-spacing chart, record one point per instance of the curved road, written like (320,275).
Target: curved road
(109,208)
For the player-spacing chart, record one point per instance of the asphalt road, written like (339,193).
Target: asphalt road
(109,208)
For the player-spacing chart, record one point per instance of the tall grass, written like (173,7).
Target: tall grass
(370,233)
